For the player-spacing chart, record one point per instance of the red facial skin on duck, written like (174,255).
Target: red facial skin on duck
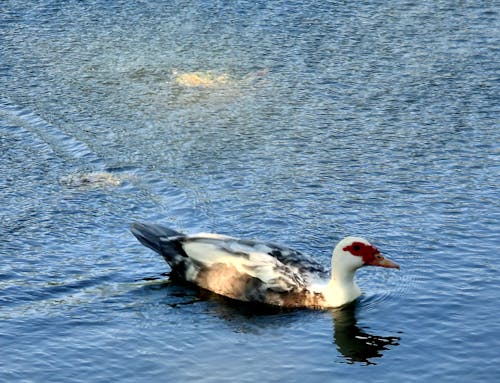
(370,255)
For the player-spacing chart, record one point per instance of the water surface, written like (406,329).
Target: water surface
(336,118)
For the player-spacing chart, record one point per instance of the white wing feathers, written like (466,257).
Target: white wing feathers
(252,259)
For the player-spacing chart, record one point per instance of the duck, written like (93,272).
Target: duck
(261,272)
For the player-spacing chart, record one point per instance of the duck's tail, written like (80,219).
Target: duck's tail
(150,234)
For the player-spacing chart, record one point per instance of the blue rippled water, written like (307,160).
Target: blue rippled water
(308,122)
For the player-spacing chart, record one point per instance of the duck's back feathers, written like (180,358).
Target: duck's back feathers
(240,269)
(303,262)
(221,263)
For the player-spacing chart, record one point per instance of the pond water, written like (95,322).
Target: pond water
(291,122)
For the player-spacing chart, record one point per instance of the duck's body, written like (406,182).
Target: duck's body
(256,271)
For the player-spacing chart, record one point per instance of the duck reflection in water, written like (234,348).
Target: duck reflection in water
(356,345)
(353,343)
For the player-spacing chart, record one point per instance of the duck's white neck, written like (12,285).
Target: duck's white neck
(342,287)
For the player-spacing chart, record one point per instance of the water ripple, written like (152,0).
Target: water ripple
(309,122)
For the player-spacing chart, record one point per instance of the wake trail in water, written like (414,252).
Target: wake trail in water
(59,142)
(86,169)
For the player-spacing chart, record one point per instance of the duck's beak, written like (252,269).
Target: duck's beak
(381,261)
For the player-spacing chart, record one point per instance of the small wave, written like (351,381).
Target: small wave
(381,286)
(60,142)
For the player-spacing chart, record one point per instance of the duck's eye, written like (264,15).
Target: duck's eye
(356,248)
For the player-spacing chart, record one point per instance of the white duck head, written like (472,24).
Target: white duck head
(349,255)
(354,252)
